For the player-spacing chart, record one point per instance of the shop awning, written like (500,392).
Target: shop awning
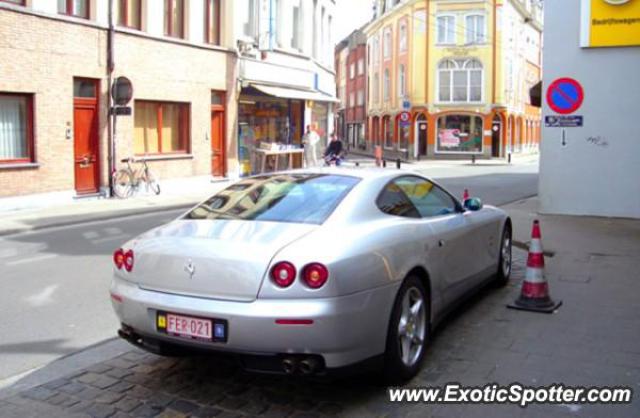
(289,93)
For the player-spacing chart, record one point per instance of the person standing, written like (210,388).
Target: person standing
(310,141)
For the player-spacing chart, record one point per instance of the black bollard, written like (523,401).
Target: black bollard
(509,158)
(398,163)
(357,164)
(384,163)
(473,158)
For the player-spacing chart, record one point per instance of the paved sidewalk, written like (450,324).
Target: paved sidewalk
(592,340)
(18,221)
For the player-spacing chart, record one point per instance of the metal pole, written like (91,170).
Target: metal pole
(110,119)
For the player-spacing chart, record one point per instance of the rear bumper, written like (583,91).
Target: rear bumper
(345,330)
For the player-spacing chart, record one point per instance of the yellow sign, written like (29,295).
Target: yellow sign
(162,321)
(607,23)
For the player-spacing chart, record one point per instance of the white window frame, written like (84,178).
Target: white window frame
(352,99)
(476,39)
(376,88)
(360,66)
(360,98)
(387,44)
(252,21)
(352,71)
(402,81)
(376,50)
(403,37)
(386,86)
(459,67)
(447,31)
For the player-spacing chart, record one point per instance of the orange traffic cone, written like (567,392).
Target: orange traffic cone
(465,195)
(535,289)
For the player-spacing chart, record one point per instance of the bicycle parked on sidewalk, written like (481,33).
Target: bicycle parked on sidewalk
(128,179)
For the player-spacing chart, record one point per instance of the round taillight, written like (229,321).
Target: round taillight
(315,275)
(118,258)
(283,274)
(128,260)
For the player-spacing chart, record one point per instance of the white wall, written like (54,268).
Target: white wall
(599,176)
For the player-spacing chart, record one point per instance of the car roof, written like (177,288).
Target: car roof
(360,172)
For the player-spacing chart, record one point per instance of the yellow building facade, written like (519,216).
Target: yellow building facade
(451,78)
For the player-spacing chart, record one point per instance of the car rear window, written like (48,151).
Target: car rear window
(297,198)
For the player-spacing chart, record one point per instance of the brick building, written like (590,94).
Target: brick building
(54,92)
(356,87)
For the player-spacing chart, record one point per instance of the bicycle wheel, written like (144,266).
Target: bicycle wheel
(152,183)
(122,184)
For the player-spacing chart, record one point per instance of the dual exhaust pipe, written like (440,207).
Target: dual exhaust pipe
(306,366)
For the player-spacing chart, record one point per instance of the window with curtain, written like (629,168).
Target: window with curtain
(386,88)
(446,29)
(128,13)
(160,127)
(403,37)
(174,18)
(401,82)
(475,29)
(16,127)
(212,22)
(76,8)
(460,81)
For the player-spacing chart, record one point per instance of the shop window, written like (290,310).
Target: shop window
(460,81)
(446,29)
(459,133)
(212,22)
(76,8)
(174,18)
(16,128)
(160,127)
(475,33)
(388,132)
(403,136)
(129,12)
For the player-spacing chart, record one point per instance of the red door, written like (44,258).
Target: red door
(217,144)
(85,136)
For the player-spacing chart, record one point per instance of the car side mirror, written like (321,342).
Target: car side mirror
(473,204)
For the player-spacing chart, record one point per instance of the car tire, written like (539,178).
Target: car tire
(505,257)
(400,367)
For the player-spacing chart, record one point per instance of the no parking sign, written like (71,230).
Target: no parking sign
(565,96)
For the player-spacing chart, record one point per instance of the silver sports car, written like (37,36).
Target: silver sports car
(310,271)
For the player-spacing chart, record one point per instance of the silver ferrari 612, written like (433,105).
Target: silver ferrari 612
(310,271)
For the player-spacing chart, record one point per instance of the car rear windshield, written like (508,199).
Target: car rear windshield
(297,198)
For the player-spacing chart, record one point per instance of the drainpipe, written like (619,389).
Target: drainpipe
(110,117)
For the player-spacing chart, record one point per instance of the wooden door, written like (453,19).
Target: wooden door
(422,138)
(218,157)
(85,136)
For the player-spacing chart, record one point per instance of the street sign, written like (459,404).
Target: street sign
(565,96)
(121,110)
(405,117)
(569,121)
(122,91)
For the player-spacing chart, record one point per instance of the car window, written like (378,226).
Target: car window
(393,201)
(429,199)
(298,198)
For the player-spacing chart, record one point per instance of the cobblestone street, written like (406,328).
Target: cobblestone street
(481,342)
